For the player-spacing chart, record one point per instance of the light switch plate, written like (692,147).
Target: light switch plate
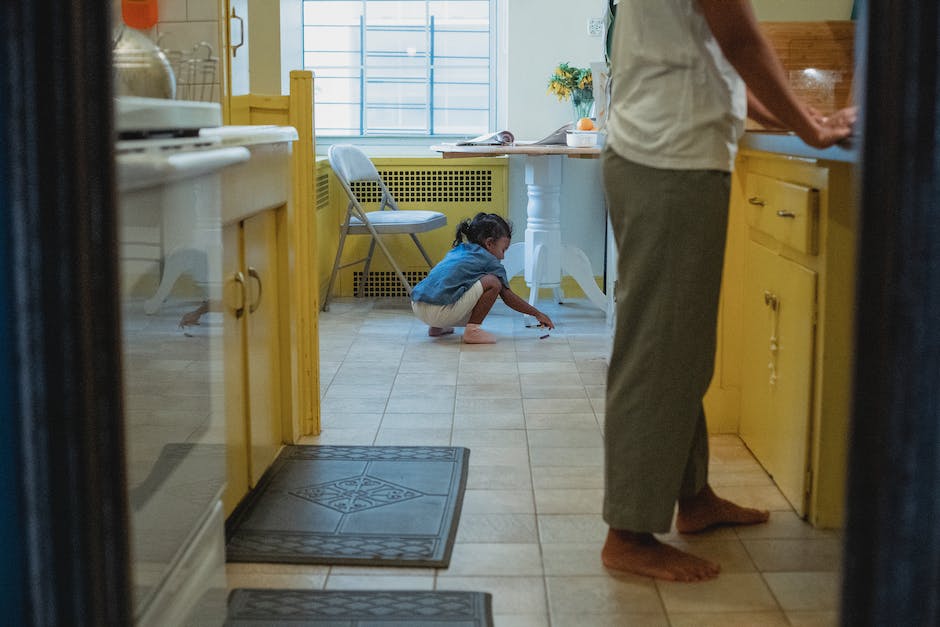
(595,26)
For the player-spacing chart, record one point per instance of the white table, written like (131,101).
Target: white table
(542,257)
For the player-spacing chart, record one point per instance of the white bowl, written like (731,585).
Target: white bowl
(581,139)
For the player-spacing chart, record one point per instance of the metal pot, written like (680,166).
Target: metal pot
(140,67)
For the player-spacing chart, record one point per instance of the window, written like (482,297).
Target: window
(401,67)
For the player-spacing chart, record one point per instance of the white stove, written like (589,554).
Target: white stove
(169,187)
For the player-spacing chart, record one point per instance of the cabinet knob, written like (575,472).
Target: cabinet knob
(785,214)
(771,300)
(757,200)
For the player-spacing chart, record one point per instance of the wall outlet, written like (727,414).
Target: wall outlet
(596,26)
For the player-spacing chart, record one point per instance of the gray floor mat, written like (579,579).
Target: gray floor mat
(356,505)
(352,608)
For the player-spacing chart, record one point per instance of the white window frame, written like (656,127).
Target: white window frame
(497,93)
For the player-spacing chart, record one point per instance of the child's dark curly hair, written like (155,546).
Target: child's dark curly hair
(482,227)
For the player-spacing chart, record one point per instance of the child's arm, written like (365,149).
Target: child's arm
(515,302)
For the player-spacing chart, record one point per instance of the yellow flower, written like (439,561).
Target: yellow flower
(566,78)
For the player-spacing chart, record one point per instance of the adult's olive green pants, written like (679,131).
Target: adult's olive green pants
(670,228)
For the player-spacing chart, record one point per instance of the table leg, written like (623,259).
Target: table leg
(578,266)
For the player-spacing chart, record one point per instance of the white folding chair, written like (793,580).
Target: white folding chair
(350,165)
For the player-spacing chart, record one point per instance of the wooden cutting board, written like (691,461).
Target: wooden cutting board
(818,58)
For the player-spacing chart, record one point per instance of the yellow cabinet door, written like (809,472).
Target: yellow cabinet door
(234,311)
(777,375)
(263,342)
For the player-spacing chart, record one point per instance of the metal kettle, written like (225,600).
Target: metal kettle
(140,67)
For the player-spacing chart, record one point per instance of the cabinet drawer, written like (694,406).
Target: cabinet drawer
(785,211)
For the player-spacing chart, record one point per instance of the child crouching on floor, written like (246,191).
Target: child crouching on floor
(461,289)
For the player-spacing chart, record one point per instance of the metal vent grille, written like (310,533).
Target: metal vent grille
(386,283)
(458,185)
(323,190)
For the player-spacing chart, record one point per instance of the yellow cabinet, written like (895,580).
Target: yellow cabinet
(254,391)
(784,362)
(777,373)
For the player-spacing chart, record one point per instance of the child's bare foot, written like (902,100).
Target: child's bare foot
(439,331)
(706,509)
(642,554)
(473,334)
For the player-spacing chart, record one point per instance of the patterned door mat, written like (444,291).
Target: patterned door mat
(358,608)
(356,505)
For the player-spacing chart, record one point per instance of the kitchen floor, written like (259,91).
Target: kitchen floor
(531,412)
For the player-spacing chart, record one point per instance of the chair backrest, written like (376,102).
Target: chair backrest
(351,164)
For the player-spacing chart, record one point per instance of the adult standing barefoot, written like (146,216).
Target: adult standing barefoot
(678,104)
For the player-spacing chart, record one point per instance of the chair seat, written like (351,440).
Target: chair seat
(402,221)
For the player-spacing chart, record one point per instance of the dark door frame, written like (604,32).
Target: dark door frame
(63,442)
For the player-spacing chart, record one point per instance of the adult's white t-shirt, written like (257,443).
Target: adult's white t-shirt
(676,101)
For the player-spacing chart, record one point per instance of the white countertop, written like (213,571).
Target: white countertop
(251,135)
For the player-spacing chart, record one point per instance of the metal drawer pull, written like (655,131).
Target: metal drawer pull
(757,200)
(785,214)
(254,274)
(239,278)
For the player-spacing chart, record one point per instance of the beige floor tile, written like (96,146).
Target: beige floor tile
(271,580)
(413,437)
(486,368)
(561,421)
(489,528)
(498,502)
(630,619)
(360,390)
(796,555)
(488,405)
(488,390)
(547,390)
(442,377)
(557,370)
(342,437)
(498,477)
(814,619)
(511,595)
(350,421)
(494,438)
(493,559)
(730,592)
(566,528)
(564,477)
(730,619)
(761,497)
(589,437)
(474,420)
(557,405)
(487,378)
(784,524)
(380,582)
(409,420)
(520,620)
(353,405)
(571,501)
(499,456)
(605,596)
(805,591)
(573,559)
(258,568)
(566,457)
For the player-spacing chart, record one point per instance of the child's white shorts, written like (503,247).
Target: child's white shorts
(453,315)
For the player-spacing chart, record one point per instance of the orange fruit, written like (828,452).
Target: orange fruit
(585,124)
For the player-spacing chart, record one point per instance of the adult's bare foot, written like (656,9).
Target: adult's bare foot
(706,509)
(643,554)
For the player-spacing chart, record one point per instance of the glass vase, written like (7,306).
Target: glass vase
(582,101)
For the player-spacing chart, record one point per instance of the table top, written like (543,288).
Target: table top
(450,151)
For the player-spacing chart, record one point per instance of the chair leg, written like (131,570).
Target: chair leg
(365,269)
(424,253)
(391,260)
(339,256)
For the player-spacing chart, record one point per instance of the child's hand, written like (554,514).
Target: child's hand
(544,320)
